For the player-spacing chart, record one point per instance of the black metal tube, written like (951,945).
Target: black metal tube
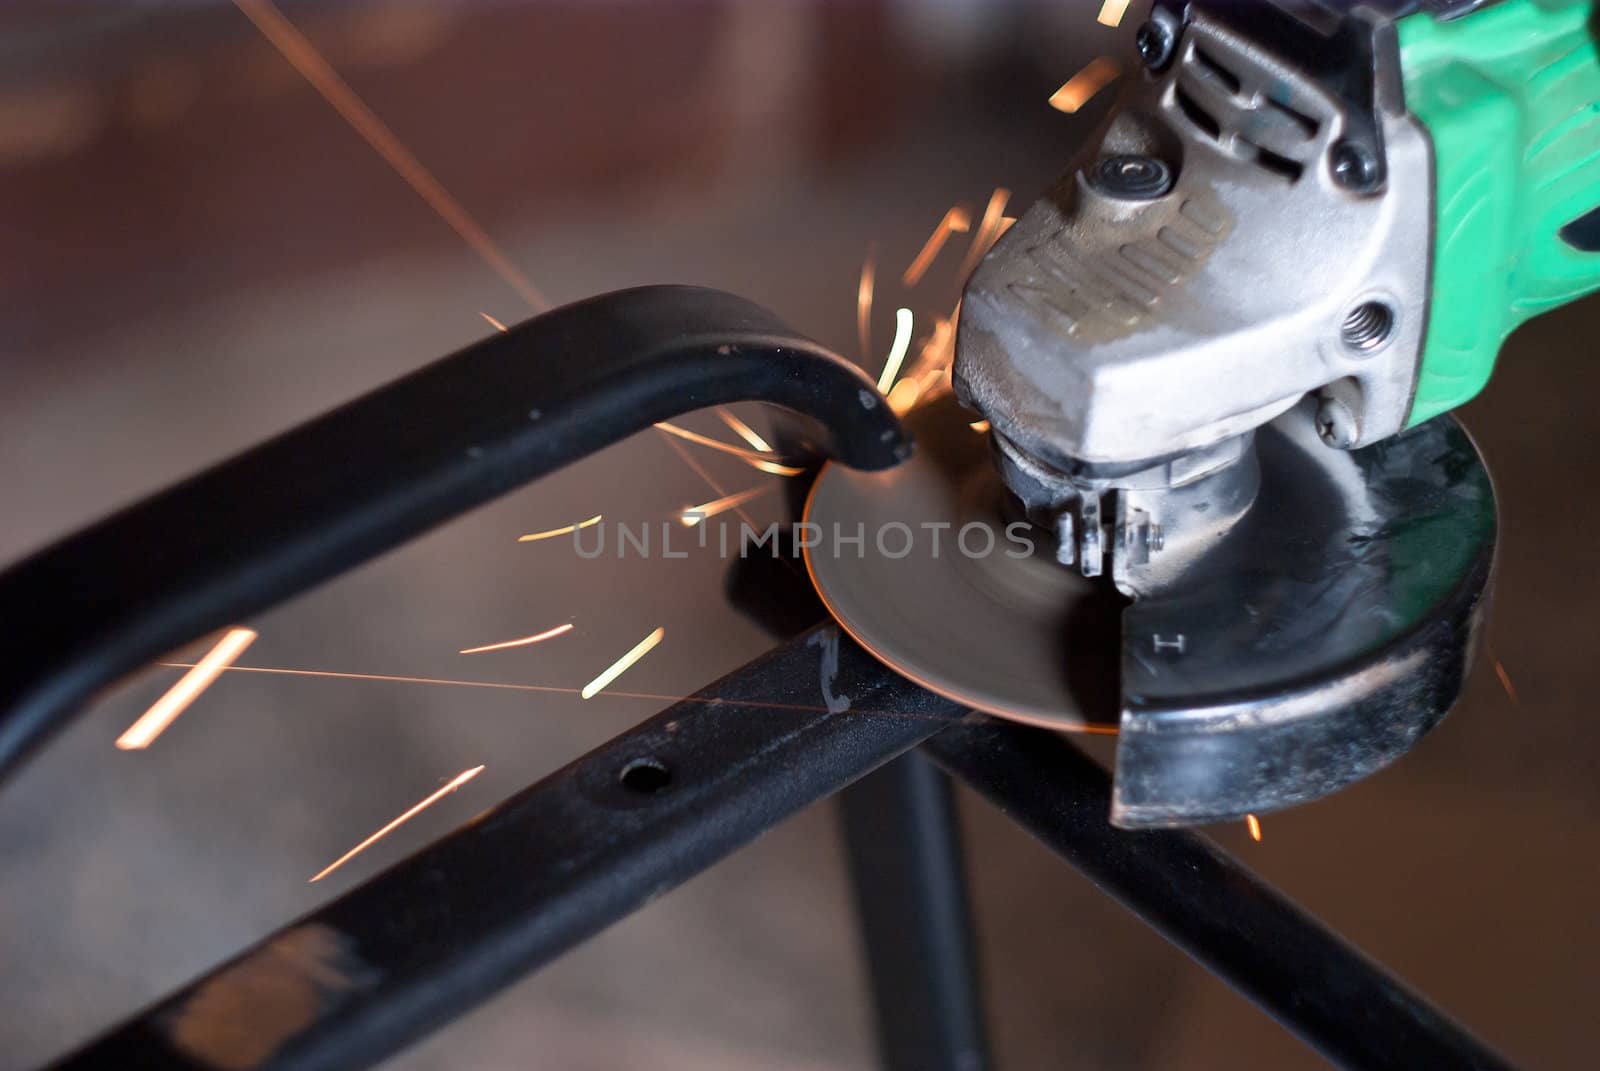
(384,468)
(427,939)
(904,847)
(1237,926)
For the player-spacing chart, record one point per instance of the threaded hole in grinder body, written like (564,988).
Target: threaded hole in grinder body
(1367,326)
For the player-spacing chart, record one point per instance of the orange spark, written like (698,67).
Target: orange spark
(496,324)
(693,515)
(910,390)
(979,426)
(534,537)
(957,219)
(744,431)
(304,57)
(1254,823)
(864,304)
(1005,225)
(1111,13)
(897,351)
(715,444)
(775,468)
(153,722)
(1505,681)
(547,634)
(620,666)
(766,462)
(904,396)
(1085,84)
(455,782)
(989,229)
(937,349)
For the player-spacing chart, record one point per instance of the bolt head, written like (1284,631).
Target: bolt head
(1353,166)
(1154,42)
(1132,177)
(1336,424)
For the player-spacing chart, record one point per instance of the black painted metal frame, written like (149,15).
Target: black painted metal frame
(417,945)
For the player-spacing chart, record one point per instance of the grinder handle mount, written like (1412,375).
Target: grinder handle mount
(1510,96)
(341,489)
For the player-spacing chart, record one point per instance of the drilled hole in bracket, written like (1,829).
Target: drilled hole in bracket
(645,776)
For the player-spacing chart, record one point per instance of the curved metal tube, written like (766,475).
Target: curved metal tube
(366,477)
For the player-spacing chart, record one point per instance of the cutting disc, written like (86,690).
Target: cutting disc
(1314,643)
(953,591)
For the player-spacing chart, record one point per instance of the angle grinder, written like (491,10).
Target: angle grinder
(1205,491)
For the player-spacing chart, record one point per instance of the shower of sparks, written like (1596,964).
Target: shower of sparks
(534,537)
(304,57)
(700,470)
(869,272)
(1111,13)
(455,782)
(496,324)
(153,722)
(897,352)
(693,515)
(989,230)
(765,461)
(1085,84)
(979,426)
(1254,824)
(621,665)
(744,431)
(956,220)
(715,444)
(547,634)
(609,693)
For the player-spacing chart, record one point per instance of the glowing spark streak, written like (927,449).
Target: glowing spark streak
(869,272)
(153,722)
(534,537)
(548,634)
(304,57)
(957,219)
(620,666)
(496,324)
(1255,827)
(706,477)
(1085,84)
(904,396)
(715,444)
(937,349)
(775,468)
(744,431)
(897,352)
(988,231)
(979,426)
(656,697)
(766,463)
(456,782)
(693,515)
(1505,681)
(1111,13)
(1005,225)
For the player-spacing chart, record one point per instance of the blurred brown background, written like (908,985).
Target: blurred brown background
(200,252)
